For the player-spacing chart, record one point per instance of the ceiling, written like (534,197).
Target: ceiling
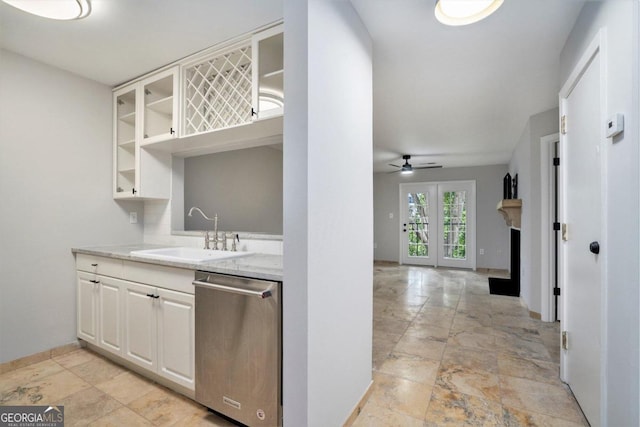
(457,96)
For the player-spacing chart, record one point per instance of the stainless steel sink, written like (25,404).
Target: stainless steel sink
(185,254)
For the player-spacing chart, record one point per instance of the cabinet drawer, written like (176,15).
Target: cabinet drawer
(99,265)
(177,279)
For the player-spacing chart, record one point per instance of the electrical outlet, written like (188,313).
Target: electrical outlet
(481,251)
(133,217)
(391,215)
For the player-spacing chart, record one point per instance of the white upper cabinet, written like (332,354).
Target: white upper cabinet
(124,112)
(160,112)
(268,73)
(145,112)
(223,98)
(217,90)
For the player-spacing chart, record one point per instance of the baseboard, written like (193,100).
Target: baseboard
(38,357)
(535,315)
(383,262)
(494,271)
(358,408)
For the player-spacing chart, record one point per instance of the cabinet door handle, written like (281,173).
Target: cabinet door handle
(133,191)
(153,296)
(95,281)
(254,112)
(172,131)
(94,265)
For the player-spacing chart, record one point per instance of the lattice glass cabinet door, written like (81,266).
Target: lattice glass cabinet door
(125,144)
(218,90)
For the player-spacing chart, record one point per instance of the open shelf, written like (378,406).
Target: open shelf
(129,118)
(128,144)
(273,74)
(163,106)
(127,171)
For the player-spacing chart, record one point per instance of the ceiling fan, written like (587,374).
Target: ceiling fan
(407,168)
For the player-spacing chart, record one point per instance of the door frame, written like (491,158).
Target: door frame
(596,47)
(546,225)
(471,239)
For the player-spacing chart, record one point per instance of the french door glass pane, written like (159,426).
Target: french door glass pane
(418,226)
(454,211)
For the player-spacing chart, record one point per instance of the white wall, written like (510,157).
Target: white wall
(492,233)
(328,219)
(526,163)
(56,193)
(621,357)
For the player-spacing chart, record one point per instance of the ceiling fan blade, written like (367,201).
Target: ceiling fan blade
(395,166)
(428,167)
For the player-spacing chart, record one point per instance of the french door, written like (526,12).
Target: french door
(438,224)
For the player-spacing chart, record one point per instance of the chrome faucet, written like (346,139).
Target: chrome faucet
(206,233)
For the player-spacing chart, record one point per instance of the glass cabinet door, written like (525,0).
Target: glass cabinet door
(125,146)
(160,106)
(268,75)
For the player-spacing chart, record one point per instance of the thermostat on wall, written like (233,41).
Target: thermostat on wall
(615,125)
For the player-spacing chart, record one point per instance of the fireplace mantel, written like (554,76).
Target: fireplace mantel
(511,210)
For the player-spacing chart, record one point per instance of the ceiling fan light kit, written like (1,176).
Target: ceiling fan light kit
(464,12)
(59,9)
(407,168)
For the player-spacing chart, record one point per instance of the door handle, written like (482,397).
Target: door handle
(594,247)
(404,229)
(262,293)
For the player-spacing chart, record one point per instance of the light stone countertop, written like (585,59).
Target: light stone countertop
(257,266)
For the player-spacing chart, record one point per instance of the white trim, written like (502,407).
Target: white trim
(546,224)
(597,46)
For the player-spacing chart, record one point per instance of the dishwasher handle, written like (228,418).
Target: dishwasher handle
(266,293)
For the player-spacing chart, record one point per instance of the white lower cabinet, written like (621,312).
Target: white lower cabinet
(99,302)
(87,301)
(109,314)
(176,337)
(149,326)
(159,331)
(140,341)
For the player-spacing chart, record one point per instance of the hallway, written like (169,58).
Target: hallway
(447,352)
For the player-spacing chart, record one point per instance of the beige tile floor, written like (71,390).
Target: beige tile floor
(97,392)
(445,352)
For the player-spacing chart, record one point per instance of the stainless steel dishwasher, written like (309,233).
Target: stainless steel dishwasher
(238,347)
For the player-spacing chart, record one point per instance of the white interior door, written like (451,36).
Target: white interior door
(456,219)
(581,212)
(437,224)
(418,218)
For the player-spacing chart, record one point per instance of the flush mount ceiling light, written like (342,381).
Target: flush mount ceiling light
(53,9)
(464,12)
